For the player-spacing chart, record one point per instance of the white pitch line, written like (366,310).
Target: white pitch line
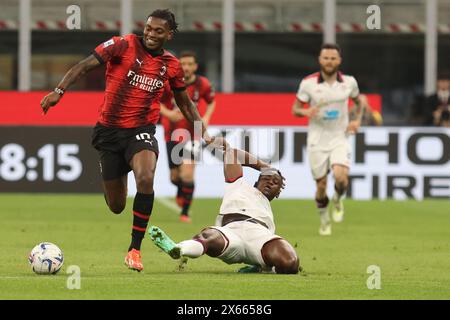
(169,204)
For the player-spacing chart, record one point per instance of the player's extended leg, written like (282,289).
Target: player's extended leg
(175,176)
(143,164)
(174,160)
(187,171)
(340,173)
(209,241)
(116,193)
(280,254)
(322,206)
(176,181)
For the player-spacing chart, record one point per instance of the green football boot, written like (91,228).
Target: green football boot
(250,269)
(162,241)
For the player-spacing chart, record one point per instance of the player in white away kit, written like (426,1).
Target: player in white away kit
(327,92)
(245,230)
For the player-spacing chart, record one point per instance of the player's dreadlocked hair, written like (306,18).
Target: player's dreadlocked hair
(167,15)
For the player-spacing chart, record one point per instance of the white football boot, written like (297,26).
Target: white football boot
(338,209)
(325,229)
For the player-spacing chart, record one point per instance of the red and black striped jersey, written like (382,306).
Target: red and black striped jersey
(198,90)
(135,80)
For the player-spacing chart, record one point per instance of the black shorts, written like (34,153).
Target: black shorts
(117,146)
(177,151)
(174,161)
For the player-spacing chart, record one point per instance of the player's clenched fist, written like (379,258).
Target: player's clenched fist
(49,101)
(299,110)
(353,127)
(311,112)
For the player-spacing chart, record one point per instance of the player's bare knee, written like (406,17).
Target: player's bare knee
(280,254)
(144,182)
(288,265)
(116,206)
(174,178)
(341,184)
(212,240)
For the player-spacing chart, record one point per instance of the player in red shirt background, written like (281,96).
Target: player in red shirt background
(182,146)
(136,70)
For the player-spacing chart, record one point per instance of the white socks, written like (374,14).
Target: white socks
(324,216)
(191,248)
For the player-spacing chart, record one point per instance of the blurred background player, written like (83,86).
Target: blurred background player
(327,92)
(179,133)
(244,231)
(137,68)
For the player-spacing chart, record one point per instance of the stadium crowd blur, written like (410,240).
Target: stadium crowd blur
(433,110)
(437,106)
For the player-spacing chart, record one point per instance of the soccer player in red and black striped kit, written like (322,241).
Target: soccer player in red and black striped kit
(136,70)
(181,144)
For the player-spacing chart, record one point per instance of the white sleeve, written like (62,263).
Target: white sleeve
(355,89)
(229,186)
(302,93)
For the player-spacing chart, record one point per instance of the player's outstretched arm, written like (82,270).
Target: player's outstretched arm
(69,78)
(235,159)
(190,112)
(209,112)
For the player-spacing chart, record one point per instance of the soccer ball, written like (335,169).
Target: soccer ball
(46,258)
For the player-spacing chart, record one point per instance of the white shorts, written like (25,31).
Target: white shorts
(245,241)
(321,161)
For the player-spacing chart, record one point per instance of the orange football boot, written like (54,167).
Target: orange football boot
(133,260)
(185,219)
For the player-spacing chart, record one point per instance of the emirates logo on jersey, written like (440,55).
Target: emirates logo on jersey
(143,82)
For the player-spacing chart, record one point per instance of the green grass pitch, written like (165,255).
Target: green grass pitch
(408,240)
